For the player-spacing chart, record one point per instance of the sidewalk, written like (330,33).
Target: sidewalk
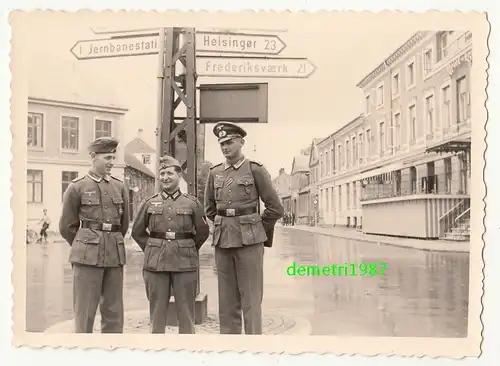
(347,233)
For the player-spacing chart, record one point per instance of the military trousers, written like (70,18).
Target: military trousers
(93,287)
(241,284)
(158,285)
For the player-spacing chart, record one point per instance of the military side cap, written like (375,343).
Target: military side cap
(226,131)
(167,161)
(103,145)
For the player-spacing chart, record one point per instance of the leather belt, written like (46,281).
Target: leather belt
(102,226)
(231,212)
(170,235)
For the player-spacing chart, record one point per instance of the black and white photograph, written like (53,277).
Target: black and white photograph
(291,181)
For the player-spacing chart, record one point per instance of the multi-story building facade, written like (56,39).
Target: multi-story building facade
(348,160)
(58,134)
(299,179)
(326,167)
(282,183)
(313,182)
(415,153)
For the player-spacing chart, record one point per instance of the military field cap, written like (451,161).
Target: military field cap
(103,145)
(167,161)
(226,131)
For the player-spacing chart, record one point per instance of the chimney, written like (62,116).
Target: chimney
(282,171)
(139,132)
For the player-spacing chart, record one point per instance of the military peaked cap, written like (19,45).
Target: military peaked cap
(226,131)
(103,145)
(167,161)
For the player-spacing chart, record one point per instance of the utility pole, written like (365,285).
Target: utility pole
(178,45)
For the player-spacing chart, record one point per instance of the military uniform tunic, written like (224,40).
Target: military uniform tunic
(240,233)
(97,255)
(171,260)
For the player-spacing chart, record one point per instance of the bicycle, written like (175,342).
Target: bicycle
(32,236)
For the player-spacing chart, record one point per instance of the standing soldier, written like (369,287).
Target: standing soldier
(232,197)
(170,228)
(93,221)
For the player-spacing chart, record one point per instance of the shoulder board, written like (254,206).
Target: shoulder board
(78,179)
(190,196)
(115,178)
(216,165)
(256,162)
(151,197)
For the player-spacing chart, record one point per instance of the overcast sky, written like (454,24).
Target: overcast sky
(299,110)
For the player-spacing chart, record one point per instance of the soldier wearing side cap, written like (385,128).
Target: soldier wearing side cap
(240,234)
(170,228)
(94,220)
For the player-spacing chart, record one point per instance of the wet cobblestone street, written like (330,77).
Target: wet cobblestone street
(421,294)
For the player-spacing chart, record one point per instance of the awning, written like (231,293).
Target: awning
(380,170)
(452,146)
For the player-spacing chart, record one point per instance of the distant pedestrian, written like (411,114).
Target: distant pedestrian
(170,228)
(285,219)
(45,221)
(94,221)
(292,218)
(232,197)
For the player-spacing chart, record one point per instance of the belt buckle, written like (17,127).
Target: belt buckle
(106,226)
(170,235)
(230,212)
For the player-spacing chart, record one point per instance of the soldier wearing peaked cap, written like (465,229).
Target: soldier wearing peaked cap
(170,228)
(232,195)
(94,220)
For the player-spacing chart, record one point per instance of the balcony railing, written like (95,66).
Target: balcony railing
(455,46)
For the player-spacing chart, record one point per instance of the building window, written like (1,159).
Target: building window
(397,129)
(35,130)
(327,155)
(429,112)
(354,151)
(66,179)
(347,196)
(395,84)
(427,61)
(361,152)
(327,199)
(381,142)
(413,180)
(413,123)
(69,133)
(34,185)
(102,128)
(463,100)
(340,198)
(447,175)
(339,153)
(146,158)
(446,106)
(410,74)
(321,165)
(332,155)
(444,44)
(347,153)
(354,196)
(367,104)
(380,96)
(368,142)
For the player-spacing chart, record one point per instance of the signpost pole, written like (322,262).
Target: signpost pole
(181,90)
(161,76)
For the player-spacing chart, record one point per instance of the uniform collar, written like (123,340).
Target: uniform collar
(235,166)
(165,195)
(95,177)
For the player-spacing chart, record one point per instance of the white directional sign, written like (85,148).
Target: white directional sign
(115,47)
(264,44)
(255,67)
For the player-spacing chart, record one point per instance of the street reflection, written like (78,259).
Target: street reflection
(421,294)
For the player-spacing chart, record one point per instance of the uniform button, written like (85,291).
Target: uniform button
(168,230)
(168,240)
(170,218)
(228,201)
(170,208)
(105,193)
(229,191)
(105,206)
(108,220)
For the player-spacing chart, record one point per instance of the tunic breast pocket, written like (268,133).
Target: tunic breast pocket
(246,185)
(156,214)
(218,184)
(185,218)
(90,207)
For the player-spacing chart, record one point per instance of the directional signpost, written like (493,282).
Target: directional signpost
(254,67)
(207,54)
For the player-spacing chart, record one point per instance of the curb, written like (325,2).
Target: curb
(381,241)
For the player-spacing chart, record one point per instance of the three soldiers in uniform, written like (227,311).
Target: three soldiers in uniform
(232,194)
(93,221)
(170,228)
